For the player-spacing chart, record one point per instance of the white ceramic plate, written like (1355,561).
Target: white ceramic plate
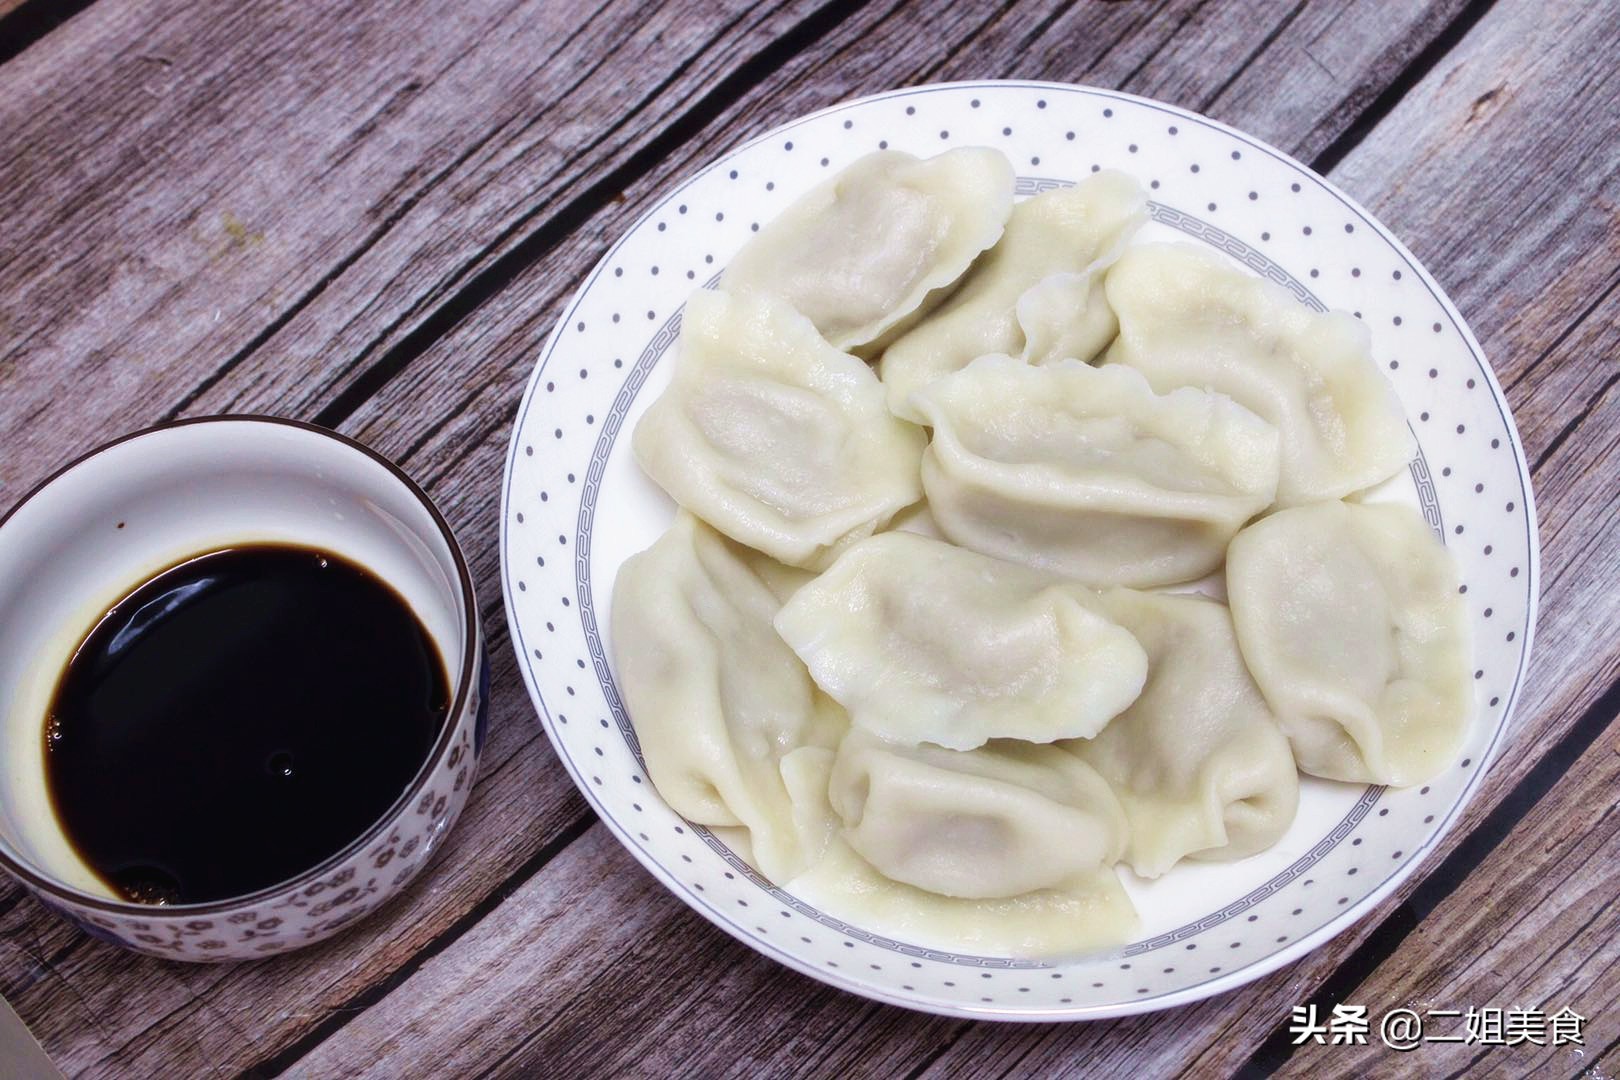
(575,506)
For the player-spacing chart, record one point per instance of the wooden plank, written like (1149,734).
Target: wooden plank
(1220,1034)
(1299,86)
(865,61)
(1512,202)
(86,1000)
(683,989)
(687,981)
(1548,934)
(1119,45)
(261,999)
(440,455)
(1552,359)
(179,181)
(97,1020)
(1549,873)
(525,962)
(101,1018)
(306,286)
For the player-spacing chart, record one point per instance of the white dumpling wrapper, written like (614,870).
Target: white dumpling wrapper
(774,437)
(1089,913)
(865,252)
(1037,294)
(917,519)
(922,641)
(1188,318)
(1350,619)
(1003,820)
(1197,761)
(1088,473)
(717,700)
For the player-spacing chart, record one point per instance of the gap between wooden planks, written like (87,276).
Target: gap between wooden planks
(1505,220)
(1544,348)
(882,83)
(281,186)
(487,448)
(408,162)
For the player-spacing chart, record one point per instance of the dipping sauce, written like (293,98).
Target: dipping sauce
(237,720)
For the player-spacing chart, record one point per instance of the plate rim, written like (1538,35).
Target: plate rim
(1227,981)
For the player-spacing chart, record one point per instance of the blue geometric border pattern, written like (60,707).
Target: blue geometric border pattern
(665,337)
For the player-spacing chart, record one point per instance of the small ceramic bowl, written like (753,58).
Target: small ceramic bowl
(107,522)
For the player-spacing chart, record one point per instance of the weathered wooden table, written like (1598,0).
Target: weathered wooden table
(369,215)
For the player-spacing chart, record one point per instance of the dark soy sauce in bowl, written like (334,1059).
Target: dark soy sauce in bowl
(238,719)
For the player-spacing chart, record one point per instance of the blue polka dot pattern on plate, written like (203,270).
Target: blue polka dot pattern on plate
(571,472)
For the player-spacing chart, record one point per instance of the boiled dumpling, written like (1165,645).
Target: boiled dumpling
(1088,911)
(1037,294)
(1350,619)
(925,642)
(1087,473)
(717,700)
(773,436)
(1005,819)
(1197,761)
(917,519)
(865,252)
(1048,924)
(805,773)
(1187,318)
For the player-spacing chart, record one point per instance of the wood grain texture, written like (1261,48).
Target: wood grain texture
(204,1014)
(677,975)
(214,174)
(675,980)
(150,1029)
(1548,934)
(419,165)
(1220,1034)
(1214,1035)
(880,48)
(171,1019)
(1223,1032)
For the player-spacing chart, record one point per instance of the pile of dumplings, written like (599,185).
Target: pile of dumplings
(913,644)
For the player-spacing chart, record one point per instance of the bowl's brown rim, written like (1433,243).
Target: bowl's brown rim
(464,685)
